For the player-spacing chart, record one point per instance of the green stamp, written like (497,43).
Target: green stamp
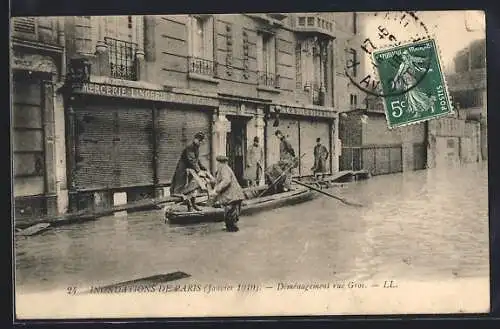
(412,83)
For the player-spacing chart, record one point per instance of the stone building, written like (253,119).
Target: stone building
(367,142)
(38,145)
(467,85)
(139,87)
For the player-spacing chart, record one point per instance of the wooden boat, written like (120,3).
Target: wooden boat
(253,204)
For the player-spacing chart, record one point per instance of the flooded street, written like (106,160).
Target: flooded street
(421,225)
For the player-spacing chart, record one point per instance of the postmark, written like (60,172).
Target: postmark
(412,82)
(377,30)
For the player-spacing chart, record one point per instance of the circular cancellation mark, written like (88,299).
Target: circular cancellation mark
(385,29)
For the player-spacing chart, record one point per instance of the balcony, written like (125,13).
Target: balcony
(201,67)
(313,23)
(269,81)
(122,59)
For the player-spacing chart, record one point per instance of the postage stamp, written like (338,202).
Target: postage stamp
(413,83)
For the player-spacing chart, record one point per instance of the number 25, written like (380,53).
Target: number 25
(397,108)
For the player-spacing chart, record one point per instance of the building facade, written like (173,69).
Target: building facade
(38,145)
(139,87)
(467,85)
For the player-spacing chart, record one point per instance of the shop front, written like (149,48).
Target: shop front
(126,141)
(302,127)
(35,138)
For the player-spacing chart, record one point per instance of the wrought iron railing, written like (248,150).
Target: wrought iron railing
(122,58)
(201,66)
(269,79)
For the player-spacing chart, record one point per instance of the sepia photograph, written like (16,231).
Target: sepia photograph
(249,164)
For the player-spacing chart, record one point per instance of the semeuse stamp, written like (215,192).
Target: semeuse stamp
(412,82)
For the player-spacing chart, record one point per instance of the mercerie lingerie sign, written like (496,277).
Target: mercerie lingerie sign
(127,92)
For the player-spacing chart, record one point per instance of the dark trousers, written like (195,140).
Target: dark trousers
(232,214)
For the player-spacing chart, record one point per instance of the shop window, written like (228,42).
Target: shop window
(201,58)
(266,52)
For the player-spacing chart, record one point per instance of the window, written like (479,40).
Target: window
(352,57)
(311,66)
(122,34)
(266,52)
(201,46)
(354,100)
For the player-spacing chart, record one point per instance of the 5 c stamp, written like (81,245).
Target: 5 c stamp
(412,81)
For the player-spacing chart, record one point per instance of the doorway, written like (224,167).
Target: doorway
(236,147)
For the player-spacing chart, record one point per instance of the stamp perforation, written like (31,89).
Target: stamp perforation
(404,44)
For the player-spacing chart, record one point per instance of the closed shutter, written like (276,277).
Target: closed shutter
(24,24)
(176,130)
(28,138)
(290,128)
(135,147)
(95,153)
(309,131)
(114,147)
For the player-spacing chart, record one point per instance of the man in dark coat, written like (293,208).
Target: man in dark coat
(228,193)
(287,157)
(183,183)
(320,156)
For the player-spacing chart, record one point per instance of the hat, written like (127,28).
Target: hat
(278,132)
(256,139)
(318,140)
(221,158)
(200,136)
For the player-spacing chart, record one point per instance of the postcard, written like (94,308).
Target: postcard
(250,164)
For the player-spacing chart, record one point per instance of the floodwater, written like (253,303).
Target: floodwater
(423,225)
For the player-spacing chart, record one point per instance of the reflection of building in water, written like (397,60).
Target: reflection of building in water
(467,85)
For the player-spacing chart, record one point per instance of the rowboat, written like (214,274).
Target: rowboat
(253,203)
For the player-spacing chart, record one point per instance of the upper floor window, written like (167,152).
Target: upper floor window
(352,58)
(311,65)
(201,45)
(123,36)
(266,61)
(201,49)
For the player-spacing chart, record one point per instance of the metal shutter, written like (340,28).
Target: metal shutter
(95,162)
(176,129)
(135,147)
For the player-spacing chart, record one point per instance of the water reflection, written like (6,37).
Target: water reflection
(419,225)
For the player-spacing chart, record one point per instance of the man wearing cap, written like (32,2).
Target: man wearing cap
(228,193)
(320,156)
(254,163)
(182,182)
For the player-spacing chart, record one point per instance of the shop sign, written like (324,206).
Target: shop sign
(98,89)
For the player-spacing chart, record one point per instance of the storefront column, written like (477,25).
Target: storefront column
(431,127)
(49,146)
(71,155)
(336,145)
(219,138)
(260,126)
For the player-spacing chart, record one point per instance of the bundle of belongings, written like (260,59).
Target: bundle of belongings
(279,175)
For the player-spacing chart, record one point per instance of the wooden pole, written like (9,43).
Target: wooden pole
(328,194)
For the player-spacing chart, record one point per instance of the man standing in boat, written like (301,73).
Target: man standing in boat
(228,193)
(184,183)
(254,163)
(287,159)
(320,156)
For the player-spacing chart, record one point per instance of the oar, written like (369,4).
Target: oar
(278,179)
(328,194)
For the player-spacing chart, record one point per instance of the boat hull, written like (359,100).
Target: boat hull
(248,207)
